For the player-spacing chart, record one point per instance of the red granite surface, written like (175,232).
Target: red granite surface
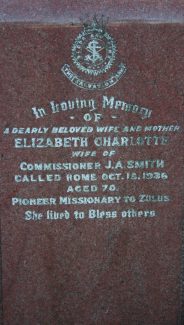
(111,272)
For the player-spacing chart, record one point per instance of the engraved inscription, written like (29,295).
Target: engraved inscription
(100,182)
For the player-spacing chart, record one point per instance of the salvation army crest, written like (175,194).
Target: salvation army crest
(93,53)
(94,50)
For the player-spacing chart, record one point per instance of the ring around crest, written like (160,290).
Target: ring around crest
(94,50)
(94,53)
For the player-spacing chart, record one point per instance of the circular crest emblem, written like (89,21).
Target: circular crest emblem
(94,50)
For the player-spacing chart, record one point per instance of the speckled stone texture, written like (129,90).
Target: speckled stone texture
(122,271)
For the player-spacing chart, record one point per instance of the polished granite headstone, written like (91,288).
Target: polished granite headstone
(91,162)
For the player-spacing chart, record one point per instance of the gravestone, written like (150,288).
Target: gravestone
(91,162)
